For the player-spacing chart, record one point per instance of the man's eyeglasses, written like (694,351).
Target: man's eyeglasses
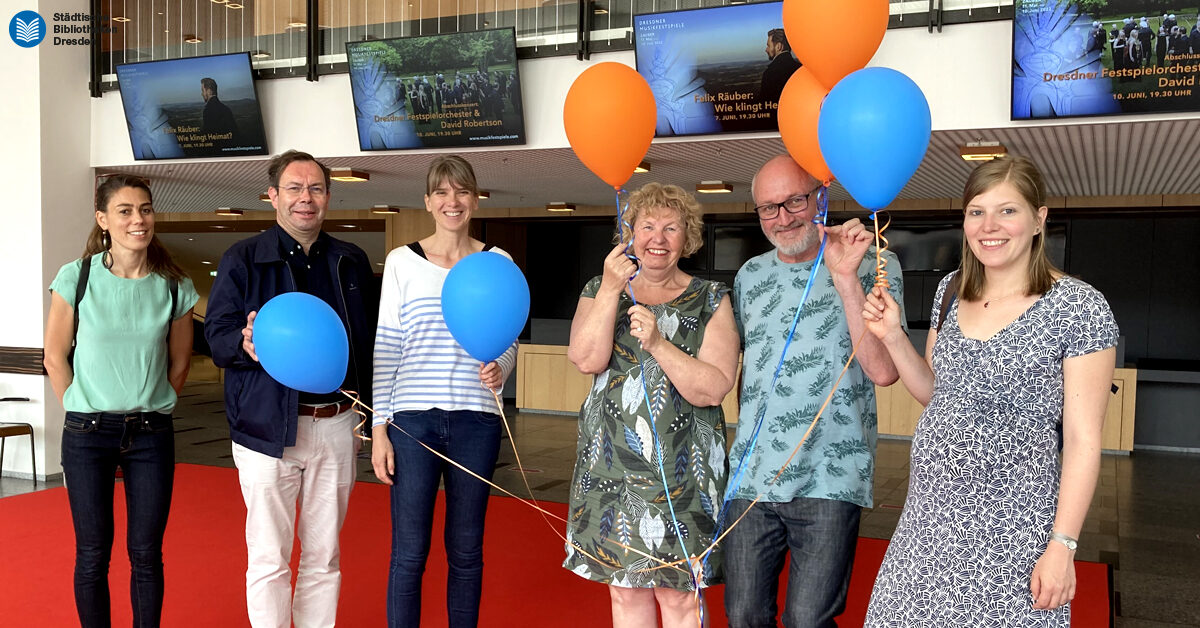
(793,205)
(316,191)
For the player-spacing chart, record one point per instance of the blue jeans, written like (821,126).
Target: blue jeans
(473,440)
(93,446)
(821,535)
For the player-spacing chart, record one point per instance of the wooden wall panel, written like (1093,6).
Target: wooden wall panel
(21,360)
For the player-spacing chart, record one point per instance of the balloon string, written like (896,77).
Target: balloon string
(357,401)
(803,439)
(821,218)
(656,443)
(881,271)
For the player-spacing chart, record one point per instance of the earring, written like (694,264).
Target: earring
(106,242)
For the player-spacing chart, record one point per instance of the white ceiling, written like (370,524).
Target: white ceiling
(1106,158)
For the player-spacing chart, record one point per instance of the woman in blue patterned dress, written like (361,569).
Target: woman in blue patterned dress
(988,532)
(681,339)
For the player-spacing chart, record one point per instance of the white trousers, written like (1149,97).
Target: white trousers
(319,472)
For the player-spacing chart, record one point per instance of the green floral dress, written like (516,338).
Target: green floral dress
(617,493)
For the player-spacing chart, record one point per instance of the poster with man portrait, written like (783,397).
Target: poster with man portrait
(715,70)
(192,107)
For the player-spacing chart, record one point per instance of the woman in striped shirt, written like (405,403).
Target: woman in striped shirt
(427,385)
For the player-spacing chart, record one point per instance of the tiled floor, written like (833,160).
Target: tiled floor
(1144,519)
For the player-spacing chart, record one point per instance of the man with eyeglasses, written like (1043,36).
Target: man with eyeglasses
(810,504)
(288,444)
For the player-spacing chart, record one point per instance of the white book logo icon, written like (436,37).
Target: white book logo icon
(28,31)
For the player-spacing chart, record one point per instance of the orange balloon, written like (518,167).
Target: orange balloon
(834,38)
(799,112)
(610,115)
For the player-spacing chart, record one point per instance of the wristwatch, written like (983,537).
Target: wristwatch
(1071,543)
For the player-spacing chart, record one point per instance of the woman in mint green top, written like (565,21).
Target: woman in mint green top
(133,345)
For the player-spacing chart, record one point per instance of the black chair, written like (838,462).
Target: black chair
(18,429)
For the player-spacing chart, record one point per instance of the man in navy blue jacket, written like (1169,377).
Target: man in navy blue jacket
(289,444)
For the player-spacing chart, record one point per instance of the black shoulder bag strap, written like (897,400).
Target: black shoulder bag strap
(85,269)
(948,298)
(171,313)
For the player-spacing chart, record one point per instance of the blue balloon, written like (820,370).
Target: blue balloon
(485,301)
(873,131)
(301,342)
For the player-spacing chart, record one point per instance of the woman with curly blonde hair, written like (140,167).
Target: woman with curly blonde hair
(663,364)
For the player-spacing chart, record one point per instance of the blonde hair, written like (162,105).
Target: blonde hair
(653,198)
(1023,175)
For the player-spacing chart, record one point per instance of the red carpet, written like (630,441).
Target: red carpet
(206,560)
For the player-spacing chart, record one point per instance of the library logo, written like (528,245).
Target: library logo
(27,29)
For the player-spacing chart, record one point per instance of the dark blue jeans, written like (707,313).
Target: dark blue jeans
(473,440)
(93,446)
(821,535)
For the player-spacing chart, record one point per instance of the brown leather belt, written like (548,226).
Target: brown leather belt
(325,411)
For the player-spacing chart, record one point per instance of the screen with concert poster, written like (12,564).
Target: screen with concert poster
(451,90)
(713,70)
(1104,57)
(192,107)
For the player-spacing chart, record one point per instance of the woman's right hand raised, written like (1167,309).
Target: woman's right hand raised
(881,314)
(617,270)
(383,459)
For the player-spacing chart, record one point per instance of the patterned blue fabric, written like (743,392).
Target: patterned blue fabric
(838,460)
(984,485)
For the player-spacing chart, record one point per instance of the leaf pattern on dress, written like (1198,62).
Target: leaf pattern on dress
(681,466)
(652,529)
(697,463)
(716,458)
(668,324)
(633,441)
(605,555)
(678,529)
(622,459)
(624,529)
(606,522)
(632,394)
(647,439)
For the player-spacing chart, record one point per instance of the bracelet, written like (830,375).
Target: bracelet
(1071,543)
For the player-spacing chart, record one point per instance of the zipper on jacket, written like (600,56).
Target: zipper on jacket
(296,408)
(349,327)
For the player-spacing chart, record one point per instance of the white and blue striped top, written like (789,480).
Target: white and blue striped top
(418,364)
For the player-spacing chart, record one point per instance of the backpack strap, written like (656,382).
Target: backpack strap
(488,247)
(948,298)
(171,313)
(85,270)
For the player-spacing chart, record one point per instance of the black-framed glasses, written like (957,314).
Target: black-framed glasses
(793,205)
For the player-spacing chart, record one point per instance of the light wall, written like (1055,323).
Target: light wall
(47,214)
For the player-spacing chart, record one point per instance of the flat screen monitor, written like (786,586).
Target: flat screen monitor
(1103,58)
(192,107)
(452,90)
(715,70)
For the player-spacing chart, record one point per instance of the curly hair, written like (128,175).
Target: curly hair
(654,198)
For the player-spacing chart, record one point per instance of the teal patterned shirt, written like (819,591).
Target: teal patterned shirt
(838,459)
